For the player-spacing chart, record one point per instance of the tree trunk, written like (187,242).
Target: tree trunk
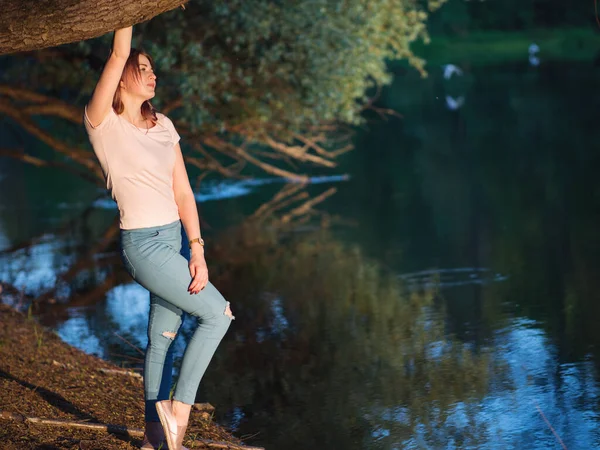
(36,24)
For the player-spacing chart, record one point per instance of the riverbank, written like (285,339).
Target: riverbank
(495,47)
(41,377)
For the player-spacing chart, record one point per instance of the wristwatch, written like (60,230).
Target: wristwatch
(198,240)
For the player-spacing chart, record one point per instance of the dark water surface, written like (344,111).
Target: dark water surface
(485,206)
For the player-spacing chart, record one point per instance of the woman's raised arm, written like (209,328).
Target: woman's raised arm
(101,100)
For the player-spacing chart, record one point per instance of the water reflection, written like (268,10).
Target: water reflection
(486,215)
(444,278)
(542,389)
(4,241)
(76,331)
(36,268)
(409,406)
(113,329)
(341,350)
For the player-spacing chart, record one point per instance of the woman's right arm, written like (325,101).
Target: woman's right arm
(101,100)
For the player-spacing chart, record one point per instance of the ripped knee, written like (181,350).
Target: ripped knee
(228,312)
(169,334)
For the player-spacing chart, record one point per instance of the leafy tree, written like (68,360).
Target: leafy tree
(257,82)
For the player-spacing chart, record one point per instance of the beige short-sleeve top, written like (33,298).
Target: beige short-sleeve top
(138,168)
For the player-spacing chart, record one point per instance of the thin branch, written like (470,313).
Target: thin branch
(289,201)
(24,157)
(44,105)
(271,155)
(121,372)
(298,153)
(385,112)
(306,207)
(276,204)
(312,143)
(217,143)
(213,163)
(129,343)
(79,156)
(286,191)
(341,151)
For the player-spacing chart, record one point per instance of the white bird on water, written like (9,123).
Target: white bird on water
(451,69)
(534,49)
(454,103)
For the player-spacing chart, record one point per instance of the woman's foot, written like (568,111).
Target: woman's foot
(181,411)
(174,423)
(154,437)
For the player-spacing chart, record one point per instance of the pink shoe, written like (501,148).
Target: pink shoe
(173,432)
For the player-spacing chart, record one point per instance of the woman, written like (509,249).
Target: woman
(140,156)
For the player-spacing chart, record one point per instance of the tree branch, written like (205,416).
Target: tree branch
(33,24)
(217,143)
(299,153)
(24,157)
(212,163)
(43,104)
(307,206)
(40,104)
(312,143)
(30,126)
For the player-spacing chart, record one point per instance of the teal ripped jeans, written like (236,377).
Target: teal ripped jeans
(152,257)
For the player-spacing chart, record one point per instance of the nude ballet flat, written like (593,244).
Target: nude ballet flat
(173,432)
(146,445)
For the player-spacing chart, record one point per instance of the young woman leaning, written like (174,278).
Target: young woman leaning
(138,150)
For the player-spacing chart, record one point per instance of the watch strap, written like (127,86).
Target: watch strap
(198,240)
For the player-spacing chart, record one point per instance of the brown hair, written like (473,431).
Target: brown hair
(132,68)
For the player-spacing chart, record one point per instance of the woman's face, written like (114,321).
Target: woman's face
(143,86)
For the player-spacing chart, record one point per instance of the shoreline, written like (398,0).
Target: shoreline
(57,396)
(496,47)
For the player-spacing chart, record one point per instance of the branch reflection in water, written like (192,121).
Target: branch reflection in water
(328,349)
(331,345)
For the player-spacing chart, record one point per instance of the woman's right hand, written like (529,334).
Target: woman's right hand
(101,101)
(198,271)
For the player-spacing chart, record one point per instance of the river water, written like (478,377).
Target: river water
(481,201)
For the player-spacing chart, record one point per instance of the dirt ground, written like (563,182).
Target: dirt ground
(41,376)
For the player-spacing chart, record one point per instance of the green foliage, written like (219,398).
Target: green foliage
(280,65)
(256,66)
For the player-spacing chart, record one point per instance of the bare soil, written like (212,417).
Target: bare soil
(43,377)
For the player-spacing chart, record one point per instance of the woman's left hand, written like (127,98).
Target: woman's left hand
(199,273)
